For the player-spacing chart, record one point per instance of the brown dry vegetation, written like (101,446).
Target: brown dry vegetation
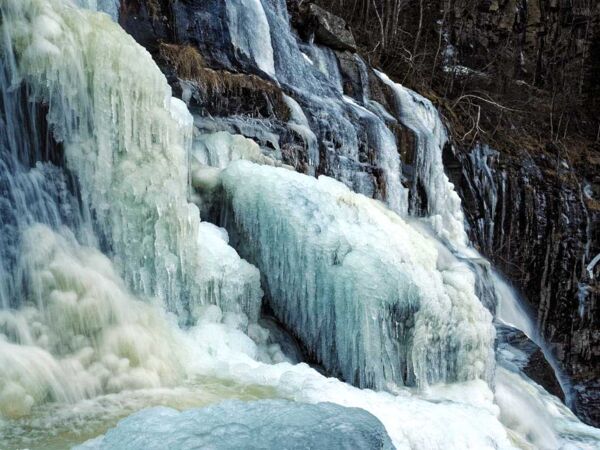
(185,59)
(222,90)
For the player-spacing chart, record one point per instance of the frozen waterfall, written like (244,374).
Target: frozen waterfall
(444,211)
(115,296)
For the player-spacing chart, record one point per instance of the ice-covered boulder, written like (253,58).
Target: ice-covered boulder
(264,424)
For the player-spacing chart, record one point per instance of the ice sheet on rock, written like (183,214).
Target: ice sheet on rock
(444,210)
(481,181)
(366,292)
(263,132)
(224,276)
(110,7)
(326,61)
(299,123)
(127,141)
(263,424)
(291,68)
(346,148)
(250,33)
(364,79)
(211,153)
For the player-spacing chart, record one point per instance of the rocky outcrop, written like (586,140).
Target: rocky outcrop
(210,26)
(326,28)
(533,209)
(235,87)
(212,92)
(543,42)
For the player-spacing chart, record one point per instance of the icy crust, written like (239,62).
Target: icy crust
(263,424)
(447,417)
(81,333)
(220,148)
(128,141)
(368,294)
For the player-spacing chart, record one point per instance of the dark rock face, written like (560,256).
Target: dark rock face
(542,42)
(207,25)
(536,215)
(212,92)
(536,219)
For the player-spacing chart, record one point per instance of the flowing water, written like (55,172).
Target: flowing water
(116,296)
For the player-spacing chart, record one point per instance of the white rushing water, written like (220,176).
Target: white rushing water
(116,296)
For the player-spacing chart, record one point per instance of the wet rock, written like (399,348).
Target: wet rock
(147,22)
(351,79)
(222,93)
(204,25)
(530,358)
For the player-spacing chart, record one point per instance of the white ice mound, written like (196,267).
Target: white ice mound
(369,295)
(264,424)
